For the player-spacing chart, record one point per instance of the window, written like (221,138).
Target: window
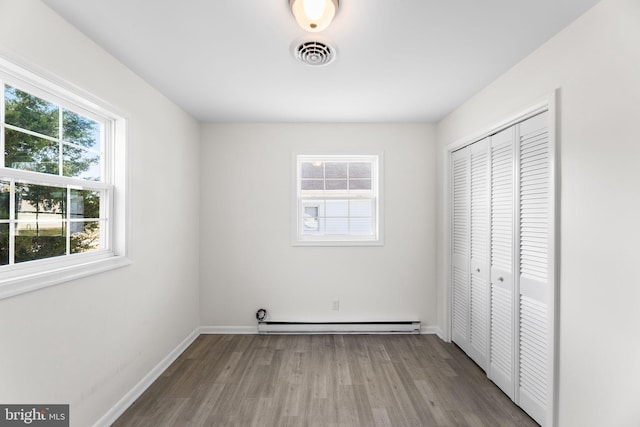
(58,177)
(337,199)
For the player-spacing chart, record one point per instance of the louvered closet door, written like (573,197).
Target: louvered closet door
(460,247)
(535,272)
(479,250)
(502,339)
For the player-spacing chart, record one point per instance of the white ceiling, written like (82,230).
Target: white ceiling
(407,60)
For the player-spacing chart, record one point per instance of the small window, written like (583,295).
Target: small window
(58,174)
(337,199)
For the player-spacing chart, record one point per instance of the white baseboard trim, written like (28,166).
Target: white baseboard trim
(241,330)
(431,330)
(123,404)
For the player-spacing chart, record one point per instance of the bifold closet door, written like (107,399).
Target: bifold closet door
(470,255)
(479,301)
(536,273)
(502,311)
(460,178)
(503,273)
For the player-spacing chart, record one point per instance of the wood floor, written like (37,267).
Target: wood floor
(323,380)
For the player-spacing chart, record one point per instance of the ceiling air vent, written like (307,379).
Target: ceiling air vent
(314,53)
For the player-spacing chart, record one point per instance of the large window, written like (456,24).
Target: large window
(57,178)
(337,199)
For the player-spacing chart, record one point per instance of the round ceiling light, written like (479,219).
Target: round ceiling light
(314,15)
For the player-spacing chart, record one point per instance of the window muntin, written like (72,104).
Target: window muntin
(337,199)
(54,195)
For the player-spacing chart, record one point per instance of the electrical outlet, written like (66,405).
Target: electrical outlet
(336,305)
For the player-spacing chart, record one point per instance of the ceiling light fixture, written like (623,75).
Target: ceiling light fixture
(314,15)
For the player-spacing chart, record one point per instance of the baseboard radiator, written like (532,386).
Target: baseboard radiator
(396,327)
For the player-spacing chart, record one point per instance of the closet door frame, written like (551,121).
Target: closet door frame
(548,103)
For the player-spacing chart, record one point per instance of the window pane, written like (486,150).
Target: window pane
(80,163)
(337,208)
(85,236)
(319,204)
(30,112)
(40,203)
(360,184)
(336,184)
(30,153)
(4,244)
(336,170)
(360,226)
(312,184)
(312,170)
(84,204)
(361,208)
(360,170)
(5,193)
(80,130)
(337,226)
(310,222)
(40,239)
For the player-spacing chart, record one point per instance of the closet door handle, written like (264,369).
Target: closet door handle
(500,279)
(477,270)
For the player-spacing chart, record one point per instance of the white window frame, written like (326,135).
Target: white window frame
(299,202)
(28,276)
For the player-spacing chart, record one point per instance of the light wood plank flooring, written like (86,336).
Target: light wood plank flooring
(323,380)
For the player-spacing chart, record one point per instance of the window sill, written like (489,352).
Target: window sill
(338,243)
(31,278)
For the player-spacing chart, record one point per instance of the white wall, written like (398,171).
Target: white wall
(596,64)
(247,260)
(88,342)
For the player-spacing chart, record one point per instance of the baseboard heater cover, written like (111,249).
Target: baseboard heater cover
(396,327)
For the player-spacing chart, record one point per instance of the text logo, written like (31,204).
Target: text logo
(34,415)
